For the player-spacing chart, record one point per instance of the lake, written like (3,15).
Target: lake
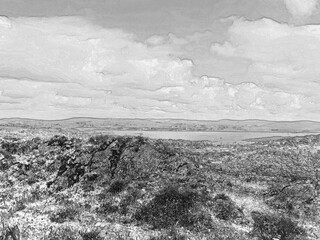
(223,137)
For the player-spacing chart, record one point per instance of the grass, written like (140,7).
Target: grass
(271,226)
(109,187)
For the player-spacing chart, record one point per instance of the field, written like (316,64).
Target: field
(66,185)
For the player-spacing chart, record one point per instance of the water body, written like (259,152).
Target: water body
(223,137)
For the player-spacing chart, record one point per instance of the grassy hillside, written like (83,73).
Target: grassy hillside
(109,187)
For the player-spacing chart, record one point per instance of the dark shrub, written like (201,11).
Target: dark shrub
(10,147)
(107,208)
(20,205)
(225,208)
(64,214)
(58,141)
(169,207)
(7,160)
(222,196)
(117,186)
(90,177)
(267,227)
(91,235)
(99,139)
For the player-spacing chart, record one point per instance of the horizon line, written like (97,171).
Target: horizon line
(168,119)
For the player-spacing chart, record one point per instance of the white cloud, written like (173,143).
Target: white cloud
(65,67)
(280,55)
(301,8)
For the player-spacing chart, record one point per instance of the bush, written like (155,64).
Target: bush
(225,208)
(57,140)
(107,208)
(64,214)
(20,205)
(267,226)
(169,207)
(117,186)
(91,235)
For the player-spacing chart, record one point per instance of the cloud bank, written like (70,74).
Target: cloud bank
(66,66)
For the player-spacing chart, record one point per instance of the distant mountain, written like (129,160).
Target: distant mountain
(109,124)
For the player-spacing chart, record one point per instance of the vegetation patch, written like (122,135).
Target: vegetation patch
(68,213)
(63,233)
(112,187)
(225,208)
(171,207)
(273,226)
(117,186)
(91,235)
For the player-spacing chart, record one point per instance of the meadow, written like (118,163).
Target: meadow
(87,187)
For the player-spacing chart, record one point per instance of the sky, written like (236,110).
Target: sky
(192,59)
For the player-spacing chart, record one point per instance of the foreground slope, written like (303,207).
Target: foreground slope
(110,187)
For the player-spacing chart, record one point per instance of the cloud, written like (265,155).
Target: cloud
(279,58)
(65,66)
(68,62)
(279,55)
(301,8)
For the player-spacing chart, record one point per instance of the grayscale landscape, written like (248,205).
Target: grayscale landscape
(159,120)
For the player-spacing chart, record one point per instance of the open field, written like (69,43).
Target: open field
(79,186)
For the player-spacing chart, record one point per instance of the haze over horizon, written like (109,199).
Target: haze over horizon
(190,59)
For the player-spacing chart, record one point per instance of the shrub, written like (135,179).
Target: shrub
(268,226)
(117,186)
(20,205)
(225,208)
(57,141)
(64,214)
(107,208)
(169,207)
(10,147)
(91,235)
